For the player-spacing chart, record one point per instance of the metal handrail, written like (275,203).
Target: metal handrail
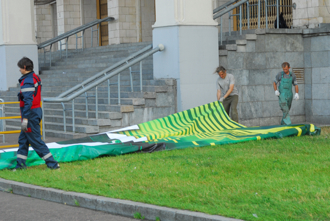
(116,65)
(2,118)
(68,34)
(220,12)
(94,83)
(232,7)
(72,32)
(224,6)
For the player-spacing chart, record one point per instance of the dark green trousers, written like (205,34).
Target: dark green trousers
(230,103)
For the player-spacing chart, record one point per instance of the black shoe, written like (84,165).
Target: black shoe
(55,168)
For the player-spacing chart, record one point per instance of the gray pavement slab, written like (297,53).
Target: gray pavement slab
(12,139)
(119,207)
(21,208)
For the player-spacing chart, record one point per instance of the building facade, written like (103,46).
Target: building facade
(134,18)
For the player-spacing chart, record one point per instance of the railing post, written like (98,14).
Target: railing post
(64,117)
(50,55)
(83,41)
(109,91)
(92,37)
(2,127)
(229,23)
(248,13)
(86,104)
(118,89)
(98,36)
(44,57)
(130,77)
(73,123)
(76,41)
(96,104)
(43,122)
(278,15)
(266,10)
(259,11)
(61,48)
(66,48)
(221,30)
(141,73)
(240,19)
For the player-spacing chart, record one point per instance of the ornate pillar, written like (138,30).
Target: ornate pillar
(190,36)
(17,39)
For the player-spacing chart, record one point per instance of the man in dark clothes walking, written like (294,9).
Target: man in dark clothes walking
(31,115)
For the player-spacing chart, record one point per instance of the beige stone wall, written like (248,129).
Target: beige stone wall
(324,10)
(89,15)
(69,17)
(309,14)
(148,19)
(123,29)
(43,22)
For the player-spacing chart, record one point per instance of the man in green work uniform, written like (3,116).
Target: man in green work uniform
(284,80)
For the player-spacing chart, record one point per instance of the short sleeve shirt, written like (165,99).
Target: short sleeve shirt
(278,78)
(223,85)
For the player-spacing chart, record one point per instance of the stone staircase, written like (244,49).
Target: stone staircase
(228,39)
(236,43)
(157,99)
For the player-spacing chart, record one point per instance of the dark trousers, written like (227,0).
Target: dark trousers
(33,137)
(230,103)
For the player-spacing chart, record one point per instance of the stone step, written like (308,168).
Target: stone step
(93,59)
(87,129)
(116,56)
(64,135)
(81,120)
(13,111)
(78,107)
(125,92)
(78,78)
(52,133)
(113,88)
(110,48)
(97,64)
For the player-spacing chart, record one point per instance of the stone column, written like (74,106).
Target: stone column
(190,36)
(17,39)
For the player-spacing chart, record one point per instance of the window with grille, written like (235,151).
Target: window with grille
(252,10)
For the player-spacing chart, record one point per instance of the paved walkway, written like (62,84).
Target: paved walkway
(13,139)
(19,208)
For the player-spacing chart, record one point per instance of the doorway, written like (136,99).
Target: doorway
(102,12)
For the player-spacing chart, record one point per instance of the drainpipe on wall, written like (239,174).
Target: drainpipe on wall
(138,21)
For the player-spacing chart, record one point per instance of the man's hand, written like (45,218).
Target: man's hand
(24,125)
(296,96)
(221,99)
(277,93)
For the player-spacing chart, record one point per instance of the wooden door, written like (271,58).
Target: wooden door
(102,12)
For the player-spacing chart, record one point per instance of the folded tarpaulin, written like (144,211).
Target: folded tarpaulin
(197,127)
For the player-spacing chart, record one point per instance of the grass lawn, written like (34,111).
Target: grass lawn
(284,179)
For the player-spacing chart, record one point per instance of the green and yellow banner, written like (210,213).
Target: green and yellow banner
(197,127)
